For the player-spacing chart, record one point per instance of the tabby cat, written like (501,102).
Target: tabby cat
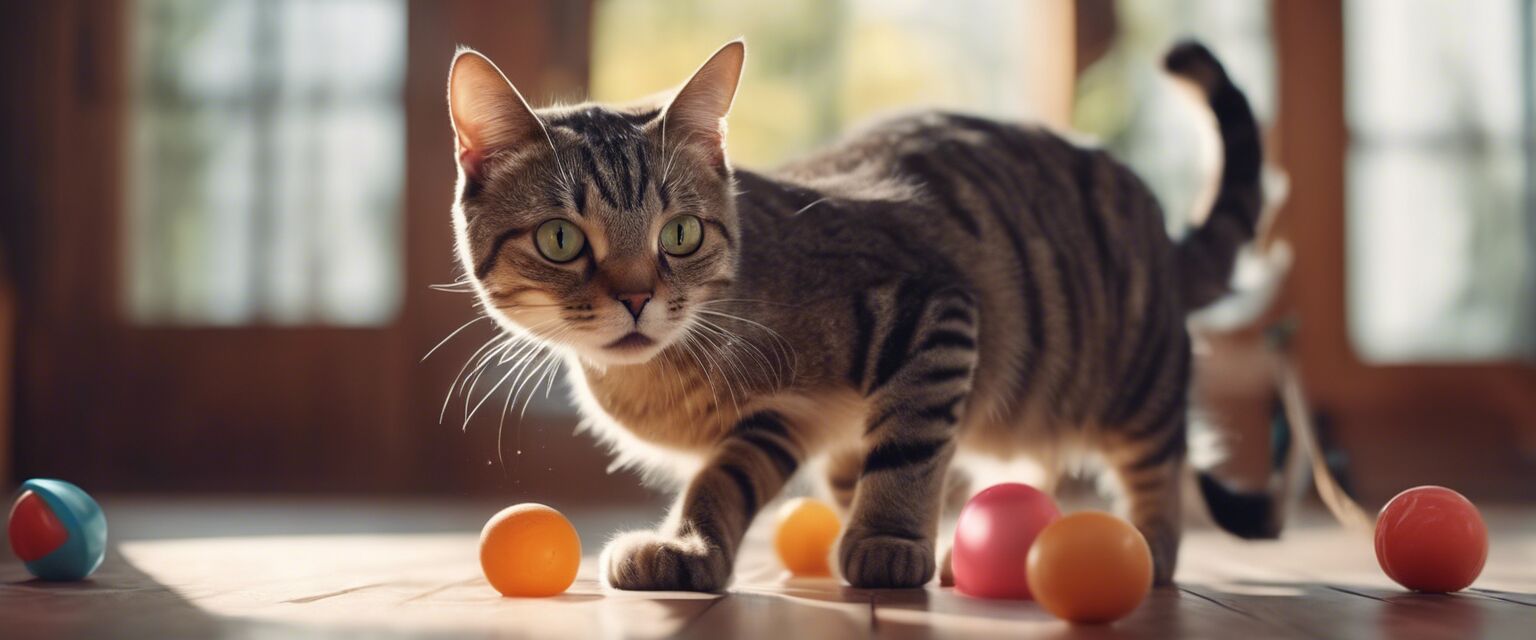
(936,283)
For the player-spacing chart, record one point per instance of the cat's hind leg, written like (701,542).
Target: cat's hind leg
(1146,452)
(843,468)
(923,361)
(1150,485)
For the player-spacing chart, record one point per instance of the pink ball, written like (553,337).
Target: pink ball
(993,536)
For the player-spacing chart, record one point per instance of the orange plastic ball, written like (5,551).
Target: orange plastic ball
(1431,539)
(1090,567)
(807,531)
(529,550)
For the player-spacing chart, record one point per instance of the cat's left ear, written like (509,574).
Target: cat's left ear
(697,113)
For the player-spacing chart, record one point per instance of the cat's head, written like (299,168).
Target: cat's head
(599,229)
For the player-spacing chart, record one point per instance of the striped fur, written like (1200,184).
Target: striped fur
(934,284)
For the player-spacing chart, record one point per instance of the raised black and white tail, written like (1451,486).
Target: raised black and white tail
(1207,254)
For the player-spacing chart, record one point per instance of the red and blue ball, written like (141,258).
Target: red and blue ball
(57,530)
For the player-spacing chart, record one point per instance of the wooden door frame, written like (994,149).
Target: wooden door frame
(1392,418)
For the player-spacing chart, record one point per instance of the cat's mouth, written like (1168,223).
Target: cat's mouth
(631,341)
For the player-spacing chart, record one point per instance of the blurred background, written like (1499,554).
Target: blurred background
(221,220)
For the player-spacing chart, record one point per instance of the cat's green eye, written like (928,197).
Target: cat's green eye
(682,235)
(559,240)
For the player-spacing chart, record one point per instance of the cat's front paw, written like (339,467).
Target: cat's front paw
(876,561)
(648,561)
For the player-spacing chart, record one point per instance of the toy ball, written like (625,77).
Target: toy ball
(529,551)
(57,530)
(1090,567)
(1431,539)
(992,540)
(806,533)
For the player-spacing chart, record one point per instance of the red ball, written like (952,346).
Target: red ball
(992,540)
(1431,539)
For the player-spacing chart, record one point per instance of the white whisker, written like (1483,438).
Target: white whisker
(550,363)
(570,182)
(450,337)
(522,363)
(471,413)
(782,346)
(686,341)
(807,207)
(501,423)
(460,375)
(712,363)
(733,339)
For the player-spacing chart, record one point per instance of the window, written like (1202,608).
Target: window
(816,67)
(1125,100)
(266,161)
(1441,207)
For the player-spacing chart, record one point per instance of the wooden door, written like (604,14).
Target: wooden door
(116,404)
(1469,425)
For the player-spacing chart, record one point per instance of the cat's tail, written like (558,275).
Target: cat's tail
(1206,255)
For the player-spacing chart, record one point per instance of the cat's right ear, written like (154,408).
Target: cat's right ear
(488,113)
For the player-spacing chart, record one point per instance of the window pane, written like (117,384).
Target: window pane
(268,144)
(1440,237)
(1423,68)
(1439,268)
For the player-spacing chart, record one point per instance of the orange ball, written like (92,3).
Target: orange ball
(807,531)
(1090,567)
(529,550)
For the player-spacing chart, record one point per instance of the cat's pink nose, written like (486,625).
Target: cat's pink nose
(635,302)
